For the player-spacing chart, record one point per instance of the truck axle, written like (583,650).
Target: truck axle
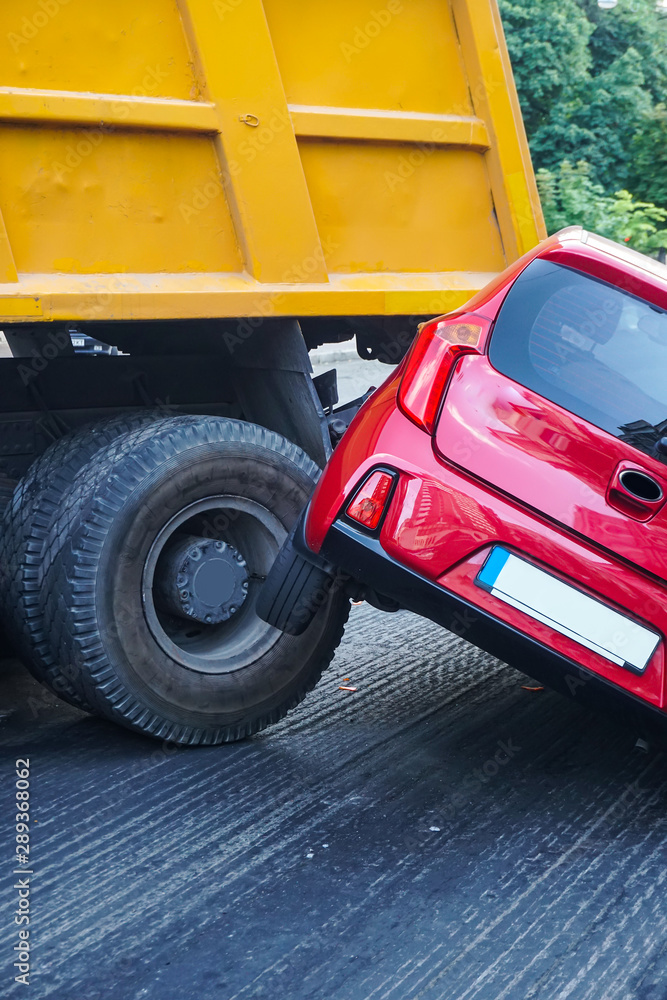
(201,579)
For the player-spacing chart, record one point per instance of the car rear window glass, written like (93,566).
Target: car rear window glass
(584,344)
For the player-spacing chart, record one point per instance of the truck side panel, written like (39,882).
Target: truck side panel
(227,158)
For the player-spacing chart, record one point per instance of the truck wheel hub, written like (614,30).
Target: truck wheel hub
(201,579)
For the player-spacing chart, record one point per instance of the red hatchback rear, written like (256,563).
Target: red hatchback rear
(509,481)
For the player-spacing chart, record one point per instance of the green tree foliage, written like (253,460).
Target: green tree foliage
(549,46)
(633,24)
(649,161)
(588,81)
(571,195)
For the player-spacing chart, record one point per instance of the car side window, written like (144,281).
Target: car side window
(588,346)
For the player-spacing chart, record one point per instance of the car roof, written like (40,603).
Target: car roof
(612,262)
(575,247)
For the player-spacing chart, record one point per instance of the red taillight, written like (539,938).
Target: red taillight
(430,362)
(370,500)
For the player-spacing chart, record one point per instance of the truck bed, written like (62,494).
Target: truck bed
(170,160)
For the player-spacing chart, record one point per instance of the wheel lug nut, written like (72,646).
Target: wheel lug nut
(185,594)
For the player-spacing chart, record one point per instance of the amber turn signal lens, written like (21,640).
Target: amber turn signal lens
(460,333)
(371,499)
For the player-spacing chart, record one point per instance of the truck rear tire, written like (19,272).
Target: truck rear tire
(162,545)
(25,530)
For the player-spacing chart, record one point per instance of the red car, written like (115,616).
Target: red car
(509,482)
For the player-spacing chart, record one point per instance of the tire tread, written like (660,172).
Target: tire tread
(75,540)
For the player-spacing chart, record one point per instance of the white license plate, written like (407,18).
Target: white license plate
(567,610)
(78,342)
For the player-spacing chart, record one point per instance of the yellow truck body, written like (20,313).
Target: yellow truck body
(173,159)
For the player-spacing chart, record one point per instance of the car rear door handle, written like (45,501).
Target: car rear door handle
(635,492)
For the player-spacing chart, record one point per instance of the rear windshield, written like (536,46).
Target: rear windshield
(599,352)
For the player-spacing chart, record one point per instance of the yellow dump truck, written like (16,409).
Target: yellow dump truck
(216,187)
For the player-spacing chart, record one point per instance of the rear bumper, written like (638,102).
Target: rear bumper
(363,558)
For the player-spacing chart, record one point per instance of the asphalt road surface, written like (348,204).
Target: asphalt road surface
(439,833)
